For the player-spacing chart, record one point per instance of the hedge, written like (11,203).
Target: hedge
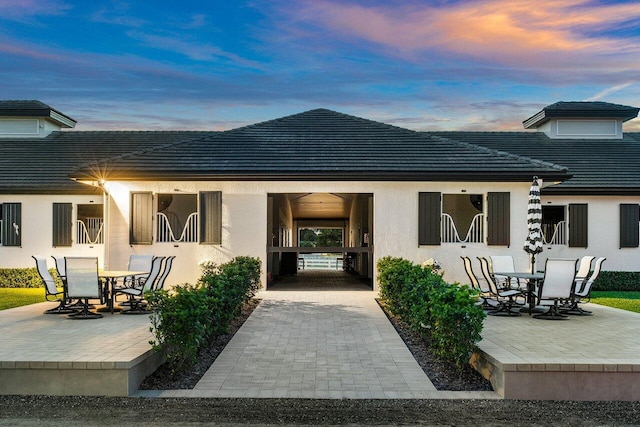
(617,281)
(188,317)
(447,316)
(24,278)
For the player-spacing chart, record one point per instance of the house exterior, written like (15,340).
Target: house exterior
(248,191)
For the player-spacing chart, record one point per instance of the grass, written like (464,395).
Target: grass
(629,301)
(16,297)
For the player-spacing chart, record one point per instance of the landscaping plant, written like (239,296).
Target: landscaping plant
(446,315)
(188,317)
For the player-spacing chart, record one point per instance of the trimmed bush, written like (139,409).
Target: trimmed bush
(445,315)
(24,278)
(617,281)
(188,317)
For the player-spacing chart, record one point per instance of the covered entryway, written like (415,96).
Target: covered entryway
(311,231)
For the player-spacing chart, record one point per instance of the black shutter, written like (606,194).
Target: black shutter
(629,227)
(62,224)
(578,225)
(211,217)
(429,213)
(141,232)
(11,224)
(499,219)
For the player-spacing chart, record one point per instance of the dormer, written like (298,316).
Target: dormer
(581,120)
(30,119)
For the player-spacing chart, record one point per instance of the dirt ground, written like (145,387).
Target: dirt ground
(98,411)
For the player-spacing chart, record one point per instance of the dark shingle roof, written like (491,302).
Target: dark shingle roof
(583,110)
(33,108)
(597,166)
(42,165)
(323,144)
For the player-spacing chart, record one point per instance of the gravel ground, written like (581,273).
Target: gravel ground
(71,411)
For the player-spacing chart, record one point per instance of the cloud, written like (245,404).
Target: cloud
(565,34)
(609,91)
(21,9)
(192,50)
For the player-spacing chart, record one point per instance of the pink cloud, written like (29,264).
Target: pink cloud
(509,32)
(19,9)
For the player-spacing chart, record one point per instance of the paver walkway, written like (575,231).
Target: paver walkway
(318,335)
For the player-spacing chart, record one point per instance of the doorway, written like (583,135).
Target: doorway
(332,231)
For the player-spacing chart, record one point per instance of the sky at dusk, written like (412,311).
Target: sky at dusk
(214,65)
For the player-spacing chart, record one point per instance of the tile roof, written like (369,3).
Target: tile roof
(607,166)
(42,165)
(34,108)
(583,110)
(323,145)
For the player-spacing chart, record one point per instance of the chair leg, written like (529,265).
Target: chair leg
(85,313)
(504,308)
(62,308)
(575,310)
(552,314)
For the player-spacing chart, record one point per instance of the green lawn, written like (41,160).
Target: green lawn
(629,301)
(16,297)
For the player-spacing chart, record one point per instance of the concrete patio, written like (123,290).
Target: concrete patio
(323,336)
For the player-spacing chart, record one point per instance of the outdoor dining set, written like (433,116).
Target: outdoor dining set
(553,294)
(83,281)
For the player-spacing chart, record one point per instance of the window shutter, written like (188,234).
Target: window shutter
(578,225)
(141,232)
(211,217)
(629,225)
(499,219)
(11,224)
(429,212)
(62,224)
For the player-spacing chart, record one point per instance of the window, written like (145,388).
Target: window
(440,218)
(462,218)
(11,224)
(554,225)
(90,224)
(177,218)
(629,225)
(180,218)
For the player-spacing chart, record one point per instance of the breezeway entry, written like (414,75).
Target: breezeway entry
(288,213)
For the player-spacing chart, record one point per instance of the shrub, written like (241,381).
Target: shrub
(23,278)
(188,317)
(446,315)
(617,281)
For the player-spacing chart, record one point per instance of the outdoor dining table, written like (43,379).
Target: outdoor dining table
(533,279)
(111,278)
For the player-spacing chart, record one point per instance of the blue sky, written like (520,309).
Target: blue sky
(211,65)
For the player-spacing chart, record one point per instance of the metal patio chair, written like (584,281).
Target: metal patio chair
(558,285)
(135,292)
(168,262)
(83,283)
(52,293)
(479,285)
(582,291)
(506,297)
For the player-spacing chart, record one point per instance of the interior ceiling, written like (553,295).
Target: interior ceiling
(321,205)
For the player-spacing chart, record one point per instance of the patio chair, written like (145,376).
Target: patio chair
(558,285)
(479,285)
(136,302)
(505,297)
(83,283)
(582,291)
(168,262)
(51,290)
(584,267)
(504,263)
(140,263)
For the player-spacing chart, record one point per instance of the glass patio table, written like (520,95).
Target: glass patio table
(533,279)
